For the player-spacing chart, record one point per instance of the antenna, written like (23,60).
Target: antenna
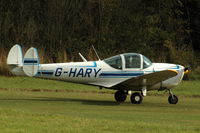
(96,52)
(82,57)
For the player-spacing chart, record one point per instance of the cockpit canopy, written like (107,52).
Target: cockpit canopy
(129,61)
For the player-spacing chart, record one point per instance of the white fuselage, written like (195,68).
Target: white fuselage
(124,72)
(107,73)
(99,73)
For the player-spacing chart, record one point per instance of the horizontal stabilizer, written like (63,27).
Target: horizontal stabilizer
(31,62)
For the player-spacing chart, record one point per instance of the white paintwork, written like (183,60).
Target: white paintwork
(15,60)
(31,62)
(99,73)
(172,82)
(15,56)
(98,80)
(107,81)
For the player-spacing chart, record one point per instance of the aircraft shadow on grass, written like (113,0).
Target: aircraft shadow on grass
(77,100)
(83,101)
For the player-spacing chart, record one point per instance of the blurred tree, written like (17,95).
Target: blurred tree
(164,31)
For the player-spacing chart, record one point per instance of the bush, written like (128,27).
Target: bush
(4,70)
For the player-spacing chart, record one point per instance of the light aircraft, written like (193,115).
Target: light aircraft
(125,73)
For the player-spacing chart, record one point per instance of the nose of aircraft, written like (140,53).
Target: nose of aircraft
(181,67)
(167,66)
(186,70)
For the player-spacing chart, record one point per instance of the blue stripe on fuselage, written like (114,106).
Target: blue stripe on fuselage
(30,61)
(120,74)
(45,72)
(48,73)
(175,68)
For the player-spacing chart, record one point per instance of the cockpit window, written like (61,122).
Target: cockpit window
(132,61)
(146,62)
(115,62)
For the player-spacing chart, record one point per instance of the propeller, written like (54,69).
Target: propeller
(186,70)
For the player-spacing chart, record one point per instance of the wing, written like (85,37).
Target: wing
(151,79)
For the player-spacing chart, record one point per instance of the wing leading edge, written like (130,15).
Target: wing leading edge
(151,79)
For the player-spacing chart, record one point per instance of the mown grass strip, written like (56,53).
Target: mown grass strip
(57,112)
(186,88)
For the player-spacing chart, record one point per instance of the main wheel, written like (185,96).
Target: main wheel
(173,99)
(136,98)
(120,96)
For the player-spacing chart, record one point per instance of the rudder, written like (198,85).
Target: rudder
(31,62)
(15,56)
(15,60)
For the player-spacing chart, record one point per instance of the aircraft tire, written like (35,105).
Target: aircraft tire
(136,98)
(120,96)
(173,99)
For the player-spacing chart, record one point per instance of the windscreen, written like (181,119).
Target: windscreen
(146,62)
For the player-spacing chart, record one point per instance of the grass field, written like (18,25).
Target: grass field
(186,88)
(86,111)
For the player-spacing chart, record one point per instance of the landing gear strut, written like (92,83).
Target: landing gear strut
(172,99)
(120,96)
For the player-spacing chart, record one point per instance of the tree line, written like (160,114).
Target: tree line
(163,30)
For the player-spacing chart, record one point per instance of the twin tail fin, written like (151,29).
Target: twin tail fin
(19,65)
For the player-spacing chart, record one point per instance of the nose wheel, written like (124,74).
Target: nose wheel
(172,99)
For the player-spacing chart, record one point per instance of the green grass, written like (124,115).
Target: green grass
(57,112)
(187,88)
(36,83)
(81,112)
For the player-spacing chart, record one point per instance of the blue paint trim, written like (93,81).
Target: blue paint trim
(122,71)
(121,74)
(30,61)
(30,64)
(117,77)
(177,67)
(47,73)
